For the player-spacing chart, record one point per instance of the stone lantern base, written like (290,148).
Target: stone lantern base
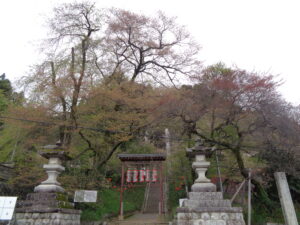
(206,208)
(46,209)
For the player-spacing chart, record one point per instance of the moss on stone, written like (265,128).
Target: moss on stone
(62,197)
(65,205)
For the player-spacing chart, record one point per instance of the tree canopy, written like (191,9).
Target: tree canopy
(113,79)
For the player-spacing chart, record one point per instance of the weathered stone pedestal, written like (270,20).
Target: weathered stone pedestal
(46,208)
(204,205)
(49,204)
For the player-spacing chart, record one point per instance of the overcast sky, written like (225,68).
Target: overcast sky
(260,35)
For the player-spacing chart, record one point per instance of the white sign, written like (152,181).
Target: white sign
(85,196)
(7,207)
(181,200)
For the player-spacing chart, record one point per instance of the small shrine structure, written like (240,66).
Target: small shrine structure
(143,168)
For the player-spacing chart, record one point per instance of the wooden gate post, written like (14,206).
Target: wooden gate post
(121,209)
(161,205)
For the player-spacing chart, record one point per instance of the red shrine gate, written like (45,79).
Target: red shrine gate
(143,168)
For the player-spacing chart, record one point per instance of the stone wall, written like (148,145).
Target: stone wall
(47,218)
(208,208)
(6,171)
(210,218)
(46,209)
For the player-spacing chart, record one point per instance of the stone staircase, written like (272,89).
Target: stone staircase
(137,223)
(153,197)
(141,219)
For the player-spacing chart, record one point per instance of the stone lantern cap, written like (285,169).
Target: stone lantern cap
(54,151)
(198,149)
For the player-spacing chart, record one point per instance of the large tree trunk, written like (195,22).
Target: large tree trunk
(259,192)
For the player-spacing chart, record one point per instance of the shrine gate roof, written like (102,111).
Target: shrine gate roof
(142,157)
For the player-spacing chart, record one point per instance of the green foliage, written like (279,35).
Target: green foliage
(136,147)
(28,175)
(217,70)
(297,208)
(109,203)
(8,142)
(174,195)
(3,101)
(180,176)
(5,86)
(261,215)
(62,197)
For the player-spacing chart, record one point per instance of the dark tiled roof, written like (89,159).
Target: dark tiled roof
(142,157)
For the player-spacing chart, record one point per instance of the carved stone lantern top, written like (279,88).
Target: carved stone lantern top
(54,151)
(198,149)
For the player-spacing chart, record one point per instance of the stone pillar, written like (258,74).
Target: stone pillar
(202,183)
(285,199)
(53,169)
(168,142)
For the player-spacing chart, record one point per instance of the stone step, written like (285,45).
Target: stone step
(211,216)
(210,222)
(205,195)
(42,203)
(50,203)
(137,223)
(206,203)
(41,196)
(209,209)
(236,222)
(152,205)
(141,219)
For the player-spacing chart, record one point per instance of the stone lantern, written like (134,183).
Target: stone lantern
(55,154)
(204,205)
(200,165)
(49,204)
